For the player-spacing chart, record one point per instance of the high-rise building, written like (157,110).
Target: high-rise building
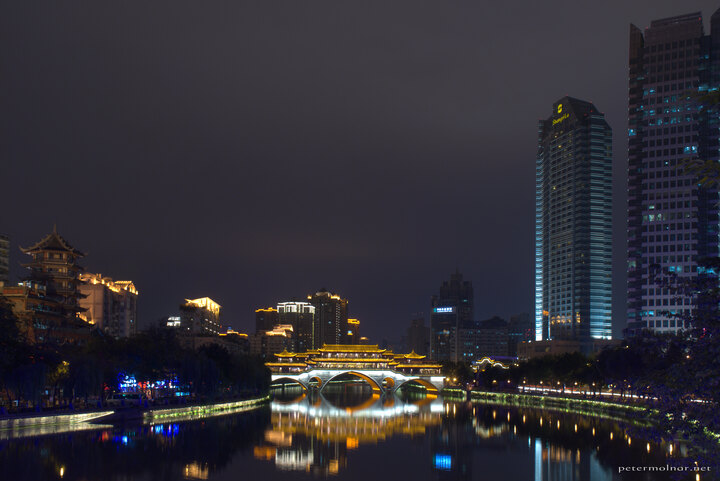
(266,319)
(418,335)
(672,221)
(274,341)
(520,329)
(353,333)
(573,224)
(452,310)
(492,338)
(4,260)
(109,305)
(331,318)
(301,316)
(198,317)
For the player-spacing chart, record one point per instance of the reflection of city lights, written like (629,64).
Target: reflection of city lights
(62,471)
(611,436)
(648,447)
(576,428)
(523,419)
(629,441)
(670,448)
(196,471)
(593,431)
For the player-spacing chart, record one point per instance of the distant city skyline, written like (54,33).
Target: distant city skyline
(374,164)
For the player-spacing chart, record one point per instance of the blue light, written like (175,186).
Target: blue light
(124,440)
(443,461)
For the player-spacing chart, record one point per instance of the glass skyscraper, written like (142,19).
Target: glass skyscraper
(451,318)
(672,222)
(573,224)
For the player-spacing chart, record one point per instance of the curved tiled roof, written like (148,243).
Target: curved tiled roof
(52,242)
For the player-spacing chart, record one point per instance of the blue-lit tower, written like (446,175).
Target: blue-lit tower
(573,224)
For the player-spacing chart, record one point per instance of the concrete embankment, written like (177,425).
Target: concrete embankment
(148,414)
(590,407)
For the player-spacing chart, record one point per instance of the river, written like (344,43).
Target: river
(349,433)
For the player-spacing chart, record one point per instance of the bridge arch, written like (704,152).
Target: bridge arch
(431,388)
(377,389)
(316,382)
(274,382)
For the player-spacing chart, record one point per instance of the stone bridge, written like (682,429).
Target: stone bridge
(380,381)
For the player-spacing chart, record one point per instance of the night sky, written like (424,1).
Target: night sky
(258,151)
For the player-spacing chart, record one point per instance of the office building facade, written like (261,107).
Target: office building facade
(301,316)
(452,310)
(109,305)
(573,224)
(672,221)
(266,319)
(331,319)
(198,317)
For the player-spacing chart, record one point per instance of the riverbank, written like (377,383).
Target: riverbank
(146,414)
(590,407)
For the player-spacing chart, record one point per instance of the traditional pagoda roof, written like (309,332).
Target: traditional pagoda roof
(414,355)
(285,353)
(52,242)
(419,365)
(286,364)
(351,348)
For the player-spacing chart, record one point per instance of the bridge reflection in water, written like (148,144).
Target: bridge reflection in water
(314,434)
(317,433)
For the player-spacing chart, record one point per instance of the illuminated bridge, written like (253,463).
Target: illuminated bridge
(383,370)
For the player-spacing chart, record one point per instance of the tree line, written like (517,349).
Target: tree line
(37,375)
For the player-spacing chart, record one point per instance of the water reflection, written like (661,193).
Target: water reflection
(347,432)
(317,432)
(190,450)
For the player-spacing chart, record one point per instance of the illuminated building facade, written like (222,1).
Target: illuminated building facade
(47,302)
(4,259)
(301,316)
(573,224)
(672,222)
(266,319)
(109,305)
(331,318)
(380,368)
(267,343)
(199,317)
(353,333)
(452,311)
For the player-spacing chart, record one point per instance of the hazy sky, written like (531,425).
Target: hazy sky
(258,151)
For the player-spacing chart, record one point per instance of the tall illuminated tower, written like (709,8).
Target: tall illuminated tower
(573,224)
(672,221)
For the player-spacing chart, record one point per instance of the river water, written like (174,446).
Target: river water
(348,433)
